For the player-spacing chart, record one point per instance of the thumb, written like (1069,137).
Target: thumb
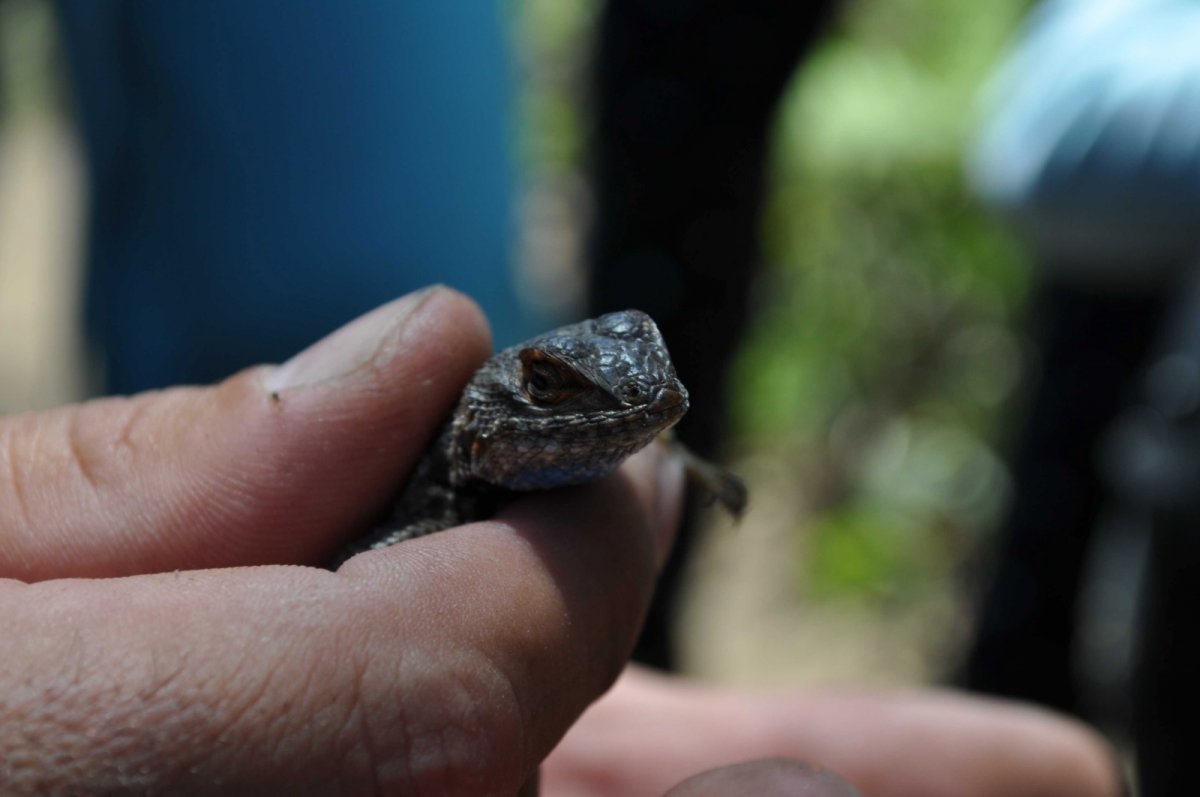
(276,464)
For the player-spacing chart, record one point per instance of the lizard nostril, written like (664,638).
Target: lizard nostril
(635,392)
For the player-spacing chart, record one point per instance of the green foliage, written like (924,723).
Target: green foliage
(884,343)
(28,77)
(864,550)
(552,42)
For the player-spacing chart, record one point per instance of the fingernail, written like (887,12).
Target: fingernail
(350,348)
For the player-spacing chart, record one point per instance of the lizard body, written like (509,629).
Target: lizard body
(566,407)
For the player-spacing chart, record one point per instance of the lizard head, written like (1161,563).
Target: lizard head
(569,406)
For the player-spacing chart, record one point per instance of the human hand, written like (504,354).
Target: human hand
(165,641)
(651,731)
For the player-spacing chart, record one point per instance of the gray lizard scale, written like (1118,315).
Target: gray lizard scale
(564,408)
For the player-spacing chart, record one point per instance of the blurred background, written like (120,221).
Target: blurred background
(919,404)
(868,397)
(922,407)
(41,218)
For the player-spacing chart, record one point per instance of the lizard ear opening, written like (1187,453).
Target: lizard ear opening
(546,379)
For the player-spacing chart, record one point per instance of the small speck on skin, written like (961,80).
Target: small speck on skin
(275,396)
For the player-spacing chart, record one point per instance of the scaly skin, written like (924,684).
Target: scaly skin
(566,407)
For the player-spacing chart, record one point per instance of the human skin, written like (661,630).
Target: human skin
(161,637)
(169,629)
(888,743)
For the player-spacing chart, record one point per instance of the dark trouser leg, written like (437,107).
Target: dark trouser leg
(685,93)
(1165,690)
(1092,344)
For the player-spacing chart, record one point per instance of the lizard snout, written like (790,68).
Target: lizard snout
(669,398)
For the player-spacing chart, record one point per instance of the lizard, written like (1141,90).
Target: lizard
(563,408)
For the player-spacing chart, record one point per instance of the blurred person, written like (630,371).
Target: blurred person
(686,94)
(1091,147)
(261,172)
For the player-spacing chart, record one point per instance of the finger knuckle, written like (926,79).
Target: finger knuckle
(452,725)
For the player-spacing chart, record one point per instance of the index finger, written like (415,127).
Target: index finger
(274,465)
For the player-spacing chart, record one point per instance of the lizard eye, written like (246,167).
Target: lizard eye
(548,382)
(543,381)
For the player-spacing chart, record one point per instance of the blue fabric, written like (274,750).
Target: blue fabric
(264,171)
(1091,139)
